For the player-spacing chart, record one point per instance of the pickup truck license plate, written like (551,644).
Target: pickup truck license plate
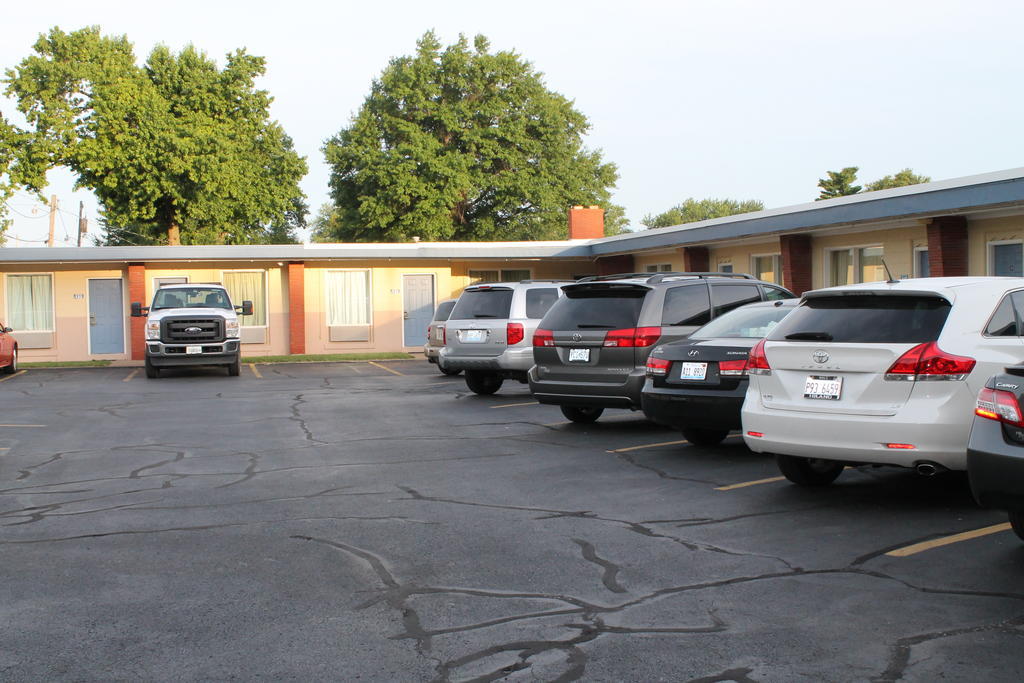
(473,336)
(193,349)
(579,355)
(693,371)
(824,387)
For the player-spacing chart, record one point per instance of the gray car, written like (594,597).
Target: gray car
(591,348)
(489,331)
(436,335)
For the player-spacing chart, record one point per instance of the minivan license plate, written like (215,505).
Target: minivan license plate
(824,387)
(579,355)
(693,371)
(474,336)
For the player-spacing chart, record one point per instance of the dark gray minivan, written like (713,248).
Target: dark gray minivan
(590,350)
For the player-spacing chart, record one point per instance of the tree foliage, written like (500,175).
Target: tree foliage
(461,143)
(900,179)
(839,183)
(692,210)
(173,149)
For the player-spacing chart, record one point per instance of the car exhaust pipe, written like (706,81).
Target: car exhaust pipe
(929,469)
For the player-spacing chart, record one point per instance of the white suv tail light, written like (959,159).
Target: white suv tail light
(927,362)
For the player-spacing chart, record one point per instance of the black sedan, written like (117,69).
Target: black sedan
(995,451)
(697,385)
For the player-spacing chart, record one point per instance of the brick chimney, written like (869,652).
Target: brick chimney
(586,223)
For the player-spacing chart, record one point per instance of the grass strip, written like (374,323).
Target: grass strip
(65,364)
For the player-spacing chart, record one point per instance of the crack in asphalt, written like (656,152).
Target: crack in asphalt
(611,570)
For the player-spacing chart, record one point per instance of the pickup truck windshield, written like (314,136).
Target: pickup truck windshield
(191,297)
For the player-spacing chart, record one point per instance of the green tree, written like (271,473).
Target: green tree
(176,150)
(693,210)
(839,183)
(900,179)
(461,144)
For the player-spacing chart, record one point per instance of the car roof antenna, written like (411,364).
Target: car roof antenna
(891,280)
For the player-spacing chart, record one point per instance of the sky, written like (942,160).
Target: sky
(744,99)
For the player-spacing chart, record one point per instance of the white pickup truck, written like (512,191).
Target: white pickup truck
(191,324)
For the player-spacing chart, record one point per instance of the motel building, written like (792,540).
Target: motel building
(73,304)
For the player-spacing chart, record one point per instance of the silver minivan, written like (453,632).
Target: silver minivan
(489,334)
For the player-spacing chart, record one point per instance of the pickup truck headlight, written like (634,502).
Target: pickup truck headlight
(153,329)
(231,329)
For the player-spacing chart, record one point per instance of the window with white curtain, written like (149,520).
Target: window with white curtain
(248,285)
(348,297)
(30,302)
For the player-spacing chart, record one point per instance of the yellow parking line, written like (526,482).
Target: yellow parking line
(19,372)
(663,443)
(650,445)
(730,487)
(378,365)
(252,366)
(513,405)
(131,375)
(947,540)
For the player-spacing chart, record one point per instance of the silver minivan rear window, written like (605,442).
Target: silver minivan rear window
(865,319)
(483,303)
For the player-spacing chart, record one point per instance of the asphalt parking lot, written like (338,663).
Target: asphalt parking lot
(377,521)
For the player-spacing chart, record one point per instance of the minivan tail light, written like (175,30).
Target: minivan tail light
(514,333)
(658,367)
(757,362)
(999,405)
(927,362)
(543,338)
(732,368)
(632,336)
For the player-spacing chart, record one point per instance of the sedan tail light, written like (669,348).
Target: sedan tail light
(732,368)
(927,362)
(632,337)
(757,362)
(514,333)
(999,405)
(658,367)
(543,338)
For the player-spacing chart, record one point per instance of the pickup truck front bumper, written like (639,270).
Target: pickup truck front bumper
(163,355)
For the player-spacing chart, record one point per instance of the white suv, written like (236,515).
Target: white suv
(880,373)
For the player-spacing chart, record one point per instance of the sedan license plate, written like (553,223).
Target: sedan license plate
(193,349)
(824,387)
(579,355)
(473,336)
(693,371)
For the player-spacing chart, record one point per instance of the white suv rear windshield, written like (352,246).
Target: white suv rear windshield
(483,303)
(865,319)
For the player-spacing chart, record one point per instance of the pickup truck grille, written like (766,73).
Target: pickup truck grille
(186,330)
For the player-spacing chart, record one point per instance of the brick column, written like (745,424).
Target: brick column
(137,292)
(947,246)
(611,265)
(696,259)
(796,263)
(296,307)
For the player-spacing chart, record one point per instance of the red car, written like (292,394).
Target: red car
(8,351)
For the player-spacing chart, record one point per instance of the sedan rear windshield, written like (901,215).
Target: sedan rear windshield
(865,319)
(483,303)
(596,309)
(748,322)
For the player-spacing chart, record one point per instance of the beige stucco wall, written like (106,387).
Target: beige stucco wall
(647,258)
(897,246)
(981,233)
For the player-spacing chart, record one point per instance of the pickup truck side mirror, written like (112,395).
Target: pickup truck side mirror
(138,311)
(246,308)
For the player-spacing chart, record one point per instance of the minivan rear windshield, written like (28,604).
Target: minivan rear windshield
(868,319)
(595,309)
(483,303)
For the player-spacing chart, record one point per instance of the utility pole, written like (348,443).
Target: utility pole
(81,222)
(53,218)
